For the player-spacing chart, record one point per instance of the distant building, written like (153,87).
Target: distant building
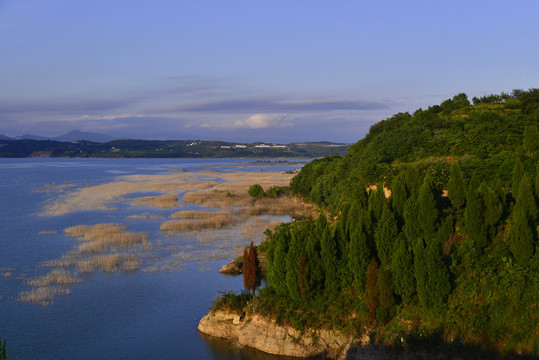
(262,146)
(225,147)
(241,146)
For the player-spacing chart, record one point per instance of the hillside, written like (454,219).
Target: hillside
(164,149)
(428,234)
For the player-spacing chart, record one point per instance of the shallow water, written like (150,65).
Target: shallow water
(137,315)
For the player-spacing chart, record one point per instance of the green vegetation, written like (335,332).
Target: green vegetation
(256,191)
(443,248)
(3,352)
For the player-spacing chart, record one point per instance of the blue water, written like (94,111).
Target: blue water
(140,315)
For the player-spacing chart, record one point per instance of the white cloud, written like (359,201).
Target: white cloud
(109,117)
(261,121)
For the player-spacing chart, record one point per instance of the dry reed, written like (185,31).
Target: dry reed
(42,295)
(216,222)
(55,277)
(102,237)
(161,201)
(109,263)
(193,214)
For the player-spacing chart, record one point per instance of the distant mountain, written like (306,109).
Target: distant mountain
(5,137)
(31,137)
(76,135)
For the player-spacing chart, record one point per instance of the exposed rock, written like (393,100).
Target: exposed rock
(234,267)
(266,335)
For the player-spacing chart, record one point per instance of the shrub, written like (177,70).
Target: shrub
(256,191)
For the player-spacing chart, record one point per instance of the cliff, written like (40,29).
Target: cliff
(266,335)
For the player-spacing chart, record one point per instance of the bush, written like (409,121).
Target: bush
(381,314)
(230,301)
(256,191)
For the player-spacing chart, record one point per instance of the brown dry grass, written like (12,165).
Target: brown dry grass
(160,201)
(55,277)
(193,214)
(215,222)
(102,237)
(42,295)
(109,263)
(103,197)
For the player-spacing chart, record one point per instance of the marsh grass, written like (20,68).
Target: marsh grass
(43,295)
(102,237)
(215,222)
(193,214)
(109,247)
(160,201)
(108,263)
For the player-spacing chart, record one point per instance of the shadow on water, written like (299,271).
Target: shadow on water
(432,346)
(418,348)
(225,350)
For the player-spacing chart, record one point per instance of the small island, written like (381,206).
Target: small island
(424,245)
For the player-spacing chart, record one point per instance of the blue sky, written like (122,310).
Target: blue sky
(275,71)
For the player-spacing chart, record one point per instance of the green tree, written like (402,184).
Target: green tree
(476,229)
(385,234)
(276,257)
(360,254)
(431,274)
(456,187)
(525,198)
(386,290)
(372,293)
(530,142)
(328,252)
(256,191)
(296,288)
(412,226)
(402,269)
(518,172)
(522,237)
(537,181)
(427,210)
(377,199)
(399,195)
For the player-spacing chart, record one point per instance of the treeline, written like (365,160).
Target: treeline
(163,149)
(445,243)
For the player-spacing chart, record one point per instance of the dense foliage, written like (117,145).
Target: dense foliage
(445,242)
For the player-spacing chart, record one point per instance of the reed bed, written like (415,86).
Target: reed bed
(43,295)
(102,237)
(104,196)
(193,214)
(160,201)
(284,205)
(108,263)
(55,277)
(215,222)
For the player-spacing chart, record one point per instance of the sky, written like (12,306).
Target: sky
(271,71)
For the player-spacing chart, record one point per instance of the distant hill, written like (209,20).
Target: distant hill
(5,137)
(76,135)
(31,137)
(163,149)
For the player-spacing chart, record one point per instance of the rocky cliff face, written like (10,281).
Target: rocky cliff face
(266,335)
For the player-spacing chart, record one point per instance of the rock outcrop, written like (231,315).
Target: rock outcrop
(266,335)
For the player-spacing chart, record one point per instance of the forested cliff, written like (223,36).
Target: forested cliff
(443,247)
